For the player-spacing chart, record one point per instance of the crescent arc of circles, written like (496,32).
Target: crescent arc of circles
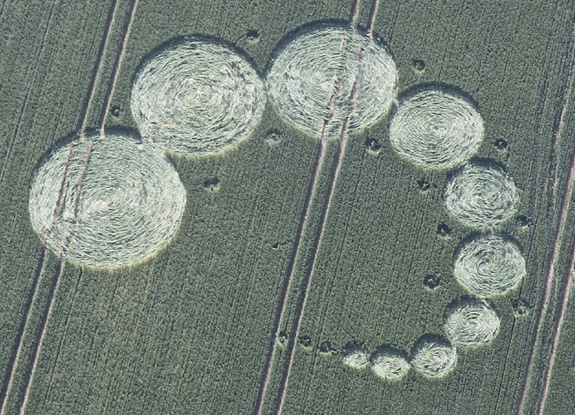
(433,128)
(201,97)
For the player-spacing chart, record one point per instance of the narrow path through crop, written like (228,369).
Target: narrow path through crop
(563,216)
(550,277)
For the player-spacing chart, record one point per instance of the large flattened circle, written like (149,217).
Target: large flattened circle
(435,128)
(106,202)
(471,323)
(489,265)
(332,78)
(197,97)
(481,196)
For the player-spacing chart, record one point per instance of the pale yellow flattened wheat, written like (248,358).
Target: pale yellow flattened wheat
(197,97)
(356,358)
(436,129)
(389,364)
(120,202)
(332,75)
(481,196)
(489,265)
(433,356)
(471,323)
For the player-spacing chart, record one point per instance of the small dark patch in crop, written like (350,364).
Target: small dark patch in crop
(423,185)
(521,307)
(443,230)
(418,65)
(372,145)
(282,338)
(523,221)
(276,245)
(304,341)
(431,281)
(326,348)
(500,144)
(253,36)
(212,184)
(116,111)
(273,137)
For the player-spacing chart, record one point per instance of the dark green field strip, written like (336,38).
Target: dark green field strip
(518,86)
(551,364)
(560,398)
(49,53)
(110,65)
(17,380)
(301,269)
(560,390)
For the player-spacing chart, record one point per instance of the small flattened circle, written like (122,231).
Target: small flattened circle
(489,265)
(356,357)
(481,196)
(436,129)
(471,323)
(332,78)
(197,97)
(106,202)
(433,356)
(389,364)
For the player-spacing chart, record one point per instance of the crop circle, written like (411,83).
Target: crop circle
(197,96)
(489,265)
(481,196)
(121,200)
(436,129)
(433,356)
(389,364)
(332,78)
(471,323)
(356,357)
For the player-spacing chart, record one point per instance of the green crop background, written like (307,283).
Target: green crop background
(188,331)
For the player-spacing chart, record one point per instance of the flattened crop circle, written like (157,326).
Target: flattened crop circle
(471,323)
(324,78)
(389,364)
(125,205)
(433,357)
(481,196)
(489,265)
(436,129)
(356,357)
(197,97)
